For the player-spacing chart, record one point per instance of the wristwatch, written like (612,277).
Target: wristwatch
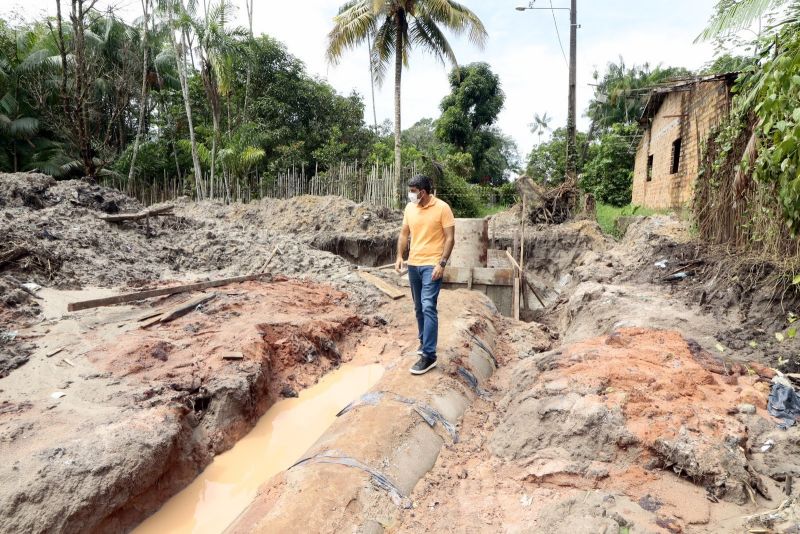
(443,263)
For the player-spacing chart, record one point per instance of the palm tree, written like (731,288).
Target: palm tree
(540,124)
(394,27)
(216,45)
(176,17)
(733,15)
(143,94)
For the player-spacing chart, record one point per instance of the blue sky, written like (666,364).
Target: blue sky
(522,49)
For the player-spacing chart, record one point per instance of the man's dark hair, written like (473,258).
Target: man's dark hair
(421,181)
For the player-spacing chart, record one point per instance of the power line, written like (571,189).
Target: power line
(558,33)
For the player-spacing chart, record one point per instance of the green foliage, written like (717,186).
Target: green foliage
(776,89)
(468,113)
(607,216)
(454,189)
(547,162)
(622,91)
(474,102)
(290,107)
(766,119)
(609,174)
(730,63)
(733,15)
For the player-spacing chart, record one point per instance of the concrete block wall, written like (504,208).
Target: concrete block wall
(688,113)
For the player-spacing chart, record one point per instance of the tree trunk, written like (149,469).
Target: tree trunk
(180,60)
(249,6)
(82,90)
(398,72)
(143,95)
(372,84)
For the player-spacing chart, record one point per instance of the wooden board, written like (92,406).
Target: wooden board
(515,299)
(141,295)
(389,290)
(154,212)
(512,260)
(479,275)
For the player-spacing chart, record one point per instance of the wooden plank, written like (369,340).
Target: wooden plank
(152,212)
(233,356)
(480,276)
(515,299)
(182,309)
(269,259)
(391,291)
(512,260)
(13,254)
(141,295)
(535,293)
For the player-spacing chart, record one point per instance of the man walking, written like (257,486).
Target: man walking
(430,222)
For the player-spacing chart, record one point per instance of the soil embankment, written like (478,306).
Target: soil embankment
(635,401)
(646,418)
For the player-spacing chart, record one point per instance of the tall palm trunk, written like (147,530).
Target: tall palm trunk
(143,96)
(180,61)
(372,84)
(398,73)
(249,6)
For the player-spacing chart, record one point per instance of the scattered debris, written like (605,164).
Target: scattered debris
(784,404)
(141,295)
(144,214)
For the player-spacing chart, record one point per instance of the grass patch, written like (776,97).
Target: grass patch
(607,216)
(486,211)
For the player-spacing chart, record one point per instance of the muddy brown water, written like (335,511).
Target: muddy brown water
(288,429)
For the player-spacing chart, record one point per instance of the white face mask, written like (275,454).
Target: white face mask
(413,197)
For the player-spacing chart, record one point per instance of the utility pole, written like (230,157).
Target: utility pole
(572,149)
(572,146)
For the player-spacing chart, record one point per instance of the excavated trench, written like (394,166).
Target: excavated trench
(359,250)
(388,438)
(225,488)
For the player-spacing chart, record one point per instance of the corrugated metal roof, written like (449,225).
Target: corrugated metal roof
(659,93)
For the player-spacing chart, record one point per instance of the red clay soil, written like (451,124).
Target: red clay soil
(146,409)
(294,324)
(638,430)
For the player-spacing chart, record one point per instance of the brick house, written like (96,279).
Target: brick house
(677,120)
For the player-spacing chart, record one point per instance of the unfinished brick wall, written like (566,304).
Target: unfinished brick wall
(688,113)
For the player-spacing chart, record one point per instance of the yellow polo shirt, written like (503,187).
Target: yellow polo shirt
(427,226)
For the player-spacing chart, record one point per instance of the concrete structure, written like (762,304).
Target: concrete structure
(469,267)
(677,120)
(472,242)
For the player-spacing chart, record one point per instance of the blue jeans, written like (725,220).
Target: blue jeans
(426,294)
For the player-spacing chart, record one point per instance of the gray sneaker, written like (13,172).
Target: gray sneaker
(423,365)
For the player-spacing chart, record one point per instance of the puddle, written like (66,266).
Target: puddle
(221,492)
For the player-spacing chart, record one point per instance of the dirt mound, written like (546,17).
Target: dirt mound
(629,400)
(53,237)
(360,233)
(639,431)
(64,244)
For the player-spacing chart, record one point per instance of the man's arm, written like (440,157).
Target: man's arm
(449,241)
(402,245)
